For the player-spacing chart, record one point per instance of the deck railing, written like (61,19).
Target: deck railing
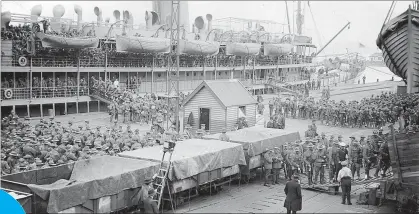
(147,61)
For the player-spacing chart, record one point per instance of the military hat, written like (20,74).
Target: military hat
(340,136)
(53,145)
(3,156)
(200,131)
(310,145)
(70,122)
(27,156)
(296,149)
(320,146)
(352,136)
(342,144)
(52,163)
(14,154)
(27,139)
(362,136)
(38,162)
(344,163)
(86,121)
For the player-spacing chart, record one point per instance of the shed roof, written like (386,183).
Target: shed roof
(228,92)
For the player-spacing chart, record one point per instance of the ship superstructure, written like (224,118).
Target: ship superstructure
(60,57)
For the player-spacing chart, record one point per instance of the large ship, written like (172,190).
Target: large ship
(47,59)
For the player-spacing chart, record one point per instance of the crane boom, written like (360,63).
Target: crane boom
(333,38)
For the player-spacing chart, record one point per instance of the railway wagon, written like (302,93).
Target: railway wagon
(256,140)
(196,166)
(404,187)
(99,185)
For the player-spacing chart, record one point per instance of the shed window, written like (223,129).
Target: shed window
(242,111)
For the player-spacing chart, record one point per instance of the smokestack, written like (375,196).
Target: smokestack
(151,19)
(199,23)
(130,20)
(6,17)
(35,13)
(78,10)
(98,13)
(58,11)
(117,16)
(209,19)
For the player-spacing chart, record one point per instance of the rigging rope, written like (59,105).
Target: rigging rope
(315,26)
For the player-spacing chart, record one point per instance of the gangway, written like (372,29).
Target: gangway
(281,86)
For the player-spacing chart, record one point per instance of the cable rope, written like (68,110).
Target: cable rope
(315,26)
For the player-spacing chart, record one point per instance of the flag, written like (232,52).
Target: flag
(361,45)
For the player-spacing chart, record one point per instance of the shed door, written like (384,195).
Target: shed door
(204,116)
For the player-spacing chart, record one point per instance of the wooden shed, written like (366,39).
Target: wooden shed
(218,104)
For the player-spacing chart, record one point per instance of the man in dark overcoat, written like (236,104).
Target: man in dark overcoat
(294,199)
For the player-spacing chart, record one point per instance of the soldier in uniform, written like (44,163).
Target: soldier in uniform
(276,165)
(368,157)
(355,159)
(294,159)
(270,123)
(383,159)
(271,107)
(5,168)
(333,161)
(308,160)
(320,163)
(224,136)
(268,159)
(309,133)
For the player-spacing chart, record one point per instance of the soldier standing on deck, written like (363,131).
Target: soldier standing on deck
(320,163)
(368,157)
(355,159)
(271,107)
(268,156)
(308,159)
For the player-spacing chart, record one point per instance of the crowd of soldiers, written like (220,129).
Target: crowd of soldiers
(317,153)
(373,112)
(50,143)
(134,108)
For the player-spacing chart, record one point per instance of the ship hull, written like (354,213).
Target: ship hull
(277,49)
(142,44)
(243,49)
(53,41)
(199,47)
(400,45)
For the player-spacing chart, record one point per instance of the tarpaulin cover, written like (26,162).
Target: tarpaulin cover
(191,157)
(95,178)
(257,139)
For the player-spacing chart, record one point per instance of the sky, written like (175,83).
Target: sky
(330,17)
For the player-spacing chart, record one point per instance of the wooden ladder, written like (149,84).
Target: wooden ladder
(161,180)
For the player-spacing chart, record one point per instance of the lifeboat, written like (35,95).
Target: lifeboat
(399,44)
(196,47)
(142,44)
(277,49)
(243,49)
(53,41)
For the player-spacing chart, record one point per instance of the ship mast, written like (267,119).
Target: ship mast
(300,19)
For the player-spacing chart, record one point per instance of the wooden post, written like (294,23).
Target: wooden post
(410,50)
(152,74)
(204,61)
(216,65)
(30,81)
(396,153)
